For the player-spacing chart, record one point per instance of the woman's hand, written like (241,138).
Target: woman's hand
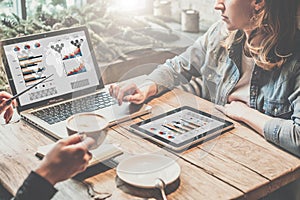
(7,109)
(67,158)
(130,92)
(239,111)
(235,110)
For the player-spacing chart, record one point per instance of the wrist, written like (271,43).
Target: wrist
(46,174)
(149,88)
(256,120)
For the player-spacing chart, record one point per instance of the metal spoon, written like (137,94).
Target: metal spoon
(160,184)
(95,194)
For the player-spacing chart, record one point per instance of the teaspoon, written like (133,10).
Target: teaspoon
(160,184)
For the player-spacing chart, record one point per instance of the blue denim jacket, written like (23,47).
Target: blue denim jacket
(275,92)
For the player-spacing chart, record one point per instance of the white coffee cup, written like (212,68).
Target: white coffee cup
(90,125)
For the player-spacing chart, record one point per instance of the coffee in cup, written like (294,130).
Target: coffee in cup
(90,125)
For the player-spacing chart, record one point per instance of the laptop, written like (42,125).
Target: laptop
(75,84)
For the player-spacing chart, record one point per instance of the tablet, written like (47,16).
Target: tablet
(181,128)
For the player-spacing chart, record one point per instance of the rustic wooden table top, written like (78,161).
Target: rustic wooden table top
(238,164)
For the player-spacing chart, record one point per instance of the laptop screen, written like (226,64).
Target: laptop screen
(66,54)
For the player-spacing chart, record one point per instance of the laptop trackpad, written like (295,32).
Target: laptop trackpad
(116,114)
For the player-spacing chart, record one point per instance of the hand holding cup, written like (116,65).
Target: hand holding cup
(92,128)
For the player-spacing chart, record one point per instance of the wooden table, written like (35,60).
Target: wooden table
(239,164)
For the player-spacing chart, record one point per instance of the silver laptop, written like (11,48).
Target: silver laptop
(75,86)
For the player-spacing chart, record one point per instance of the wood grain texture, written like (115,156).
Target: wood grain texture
(238,164)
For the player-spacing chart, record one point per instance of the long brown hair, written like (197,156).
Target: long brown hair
(275,27)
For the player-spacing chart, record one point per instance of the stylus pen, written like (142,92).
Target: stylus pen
(26,90)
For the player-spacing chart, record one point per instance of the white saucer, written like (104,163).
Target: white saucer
(143,170)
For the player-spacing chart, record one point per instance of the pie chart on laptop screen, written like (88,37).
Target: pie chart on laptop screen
(143,170)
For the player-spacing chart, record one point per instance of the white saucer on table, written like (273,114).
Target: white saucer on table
(143,170)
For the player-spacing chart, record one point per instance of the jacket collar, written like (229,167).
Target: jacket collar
(236,49)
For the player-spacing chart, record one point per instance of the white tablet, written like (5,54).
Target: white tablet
(182,128)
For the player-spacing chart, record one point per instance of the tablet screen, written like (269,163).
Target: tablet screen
(181,126)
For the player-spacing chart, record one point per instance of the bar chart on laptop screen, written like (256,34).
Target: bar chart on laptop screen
(31,65)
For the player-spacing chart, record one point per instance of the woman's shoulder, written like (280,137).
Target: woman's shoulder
(218,30)
(215,35)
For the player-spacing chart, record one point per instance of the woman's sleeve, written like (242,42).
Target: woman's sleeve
(286,133)
(181,68)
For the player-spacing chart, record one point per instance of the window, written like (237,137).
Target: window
(7,7)
(24,8)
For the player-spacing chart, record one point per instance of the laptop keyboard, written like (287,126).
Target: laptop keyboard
(61,112)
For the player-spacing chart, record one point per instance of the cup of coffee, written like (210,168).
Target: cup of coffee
(93,127)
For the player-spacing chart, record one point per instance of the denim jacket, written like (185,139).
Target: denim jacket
(275,92)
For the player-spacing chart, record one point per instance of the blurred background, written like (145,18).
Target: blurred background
(121,30)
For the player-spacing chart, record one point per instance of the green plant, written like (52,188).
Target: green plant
(113,35)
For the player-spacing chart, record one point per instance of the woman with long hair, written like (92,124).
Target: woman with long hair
(250,67)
